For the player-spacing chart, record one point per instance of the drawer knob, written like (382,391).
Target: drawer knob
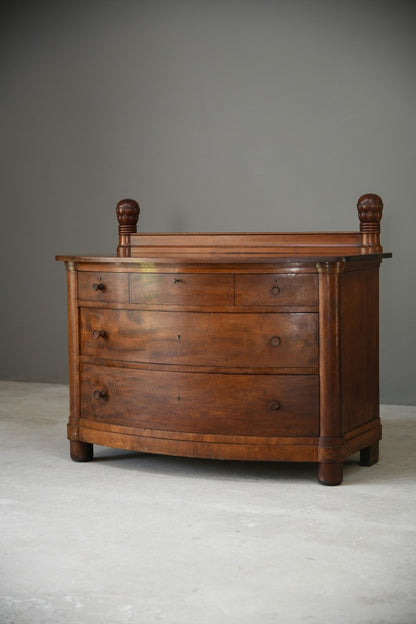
(177,280)
(274,406)
(99,286)
(100,394)
(275,290)
(275,341)
(98,333)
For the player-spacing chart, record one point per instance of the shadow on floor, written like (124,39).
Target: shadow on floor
(216,469)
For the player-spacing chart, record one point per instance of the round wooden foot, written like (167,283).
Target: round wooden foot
(369,455)
(330,473)
(81,451)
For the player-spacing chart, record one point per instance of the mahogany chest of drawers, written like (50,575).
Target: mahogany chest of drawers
(232,346)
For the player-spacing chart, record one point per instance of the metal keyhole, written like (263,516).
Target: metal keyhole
(100,394)
(275,341)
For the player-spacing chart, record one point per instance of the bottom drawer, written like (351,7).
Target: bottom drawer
(253,405)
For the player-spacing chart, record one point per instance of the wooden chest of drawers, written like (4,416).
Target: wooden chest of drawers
(237,346)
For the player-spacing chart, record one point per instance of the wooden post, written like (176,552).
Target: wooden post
(370,210)
(330,459)
(80,451)
(128,211)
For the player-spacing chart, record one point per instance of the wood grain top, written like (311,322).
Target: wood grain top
(155,256)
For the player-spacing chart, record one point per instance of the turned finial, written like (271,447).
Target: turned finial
(128,211)
(370,210)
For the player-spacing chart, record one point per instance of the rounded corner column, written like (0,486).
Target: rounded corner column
(330,452)
(330,473)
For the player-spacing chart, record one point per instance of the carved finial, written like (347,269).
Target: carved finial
(370,210)
(128,212)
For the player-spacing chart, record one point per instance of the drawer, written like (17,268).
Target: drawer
(276,289)
(107,287)
(263,405)
(182,289)
(201,338)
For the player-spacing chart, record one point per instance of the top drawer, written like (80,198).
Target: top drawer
(107,287)
(182,288)
(276,289)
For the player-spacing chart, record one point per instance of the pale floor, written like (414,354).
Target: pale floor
(148,539)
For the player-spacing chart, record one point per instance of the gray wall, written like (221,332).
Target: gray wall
(214,115)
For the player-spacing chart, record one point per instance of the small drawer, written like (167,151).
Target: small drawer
(252,405)
(276,289)
(107,287)
(182,289)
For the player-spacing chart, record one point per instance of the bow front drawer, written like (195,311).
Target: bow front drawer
(264,405)
(106,287)
(279,289)
(201,338)
(182,288)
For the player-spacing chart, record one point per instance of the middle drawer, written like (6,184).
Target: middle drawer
(200,338)
(182,289)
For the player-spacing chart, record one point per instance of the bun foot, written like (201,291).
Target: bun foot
(369,455)
(81,451)
(330,473)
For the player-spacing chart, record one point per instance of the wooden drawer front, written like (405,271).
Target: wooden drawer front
(269,289)
(108,287)
(201,338)
(182,289)
(266,405)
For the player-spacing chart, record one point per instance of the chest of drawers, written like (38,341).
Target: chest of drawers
(228,346)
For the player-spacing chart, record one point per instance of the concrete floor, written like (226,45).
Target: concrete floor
(147,539)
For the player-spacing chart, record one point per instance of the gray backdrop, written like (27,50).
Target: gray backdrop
(214,115)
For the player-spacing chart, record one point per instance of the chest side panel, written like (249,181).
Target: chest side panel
(360,347)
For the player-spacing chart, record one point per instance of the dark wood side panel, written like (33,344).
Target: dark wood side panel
(201,338)
(359,347)
(266,405)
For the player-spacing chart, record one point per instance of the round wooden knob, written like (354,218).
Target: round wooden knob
(99,286)
(275,290)
(275,341)
(100,394)
(274,406)
(98,333)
